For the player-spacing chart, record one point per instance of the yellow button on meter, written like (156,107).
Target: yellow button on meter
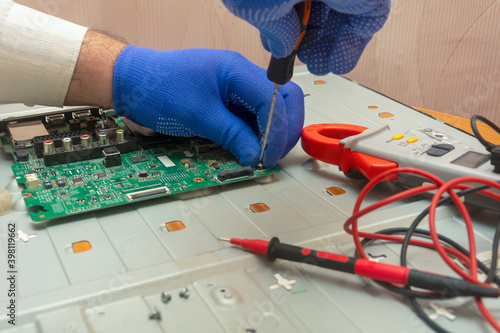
(412,139)
(397,136)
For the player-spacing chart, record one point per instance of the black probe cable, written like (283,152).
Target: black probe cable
(406,242)
(493,149)
(411,294)
(473,124)
(408,232)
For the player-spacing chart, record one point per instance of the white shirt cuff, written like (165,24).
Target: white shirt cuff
(38,53)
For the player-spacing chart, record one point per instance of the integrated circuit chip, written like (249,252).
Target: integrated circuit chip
(138,159)
(77,180)
(234,173)
(101,175)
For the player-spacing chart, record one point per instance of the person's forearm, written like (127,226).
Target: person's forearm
(91,83)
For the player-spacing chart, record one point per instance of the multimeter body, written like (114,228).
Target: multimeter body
(373,150)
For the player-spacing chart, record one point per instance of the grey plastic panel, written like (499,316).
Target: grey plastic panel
(118,283)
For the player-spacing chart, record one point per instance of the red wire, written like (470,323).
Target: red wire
(468,223)
(351,224)
(353,221)
(487,314)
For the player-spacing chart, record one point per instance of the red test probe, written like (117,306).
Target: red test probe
(449,286)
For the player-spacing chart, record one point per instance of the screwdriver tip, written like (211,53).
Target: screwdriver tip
(224,239)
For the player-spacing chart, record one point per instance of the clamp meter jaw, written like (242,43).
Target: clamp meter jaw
(375,150)
(323,142)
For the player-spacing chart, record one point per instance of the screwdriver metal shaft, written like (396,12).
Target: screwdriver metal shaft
(280,70)
(268,126)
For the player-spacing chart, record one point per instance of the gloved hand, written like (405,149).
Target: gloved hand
(214,94)
(337,33)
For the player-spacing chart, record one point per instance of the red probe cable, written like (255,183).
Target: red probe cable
(392,273)
(363,267)
(351,225)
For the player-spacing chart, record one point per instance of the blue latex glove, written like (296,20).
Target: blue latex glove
(214,94)
(337,33)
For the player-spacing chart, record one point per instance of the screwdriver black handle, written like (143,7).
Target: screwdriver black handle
(449,286)
(280,70)
(327,260)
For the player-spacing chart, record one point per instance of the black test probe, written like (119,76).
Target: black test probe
(448,286)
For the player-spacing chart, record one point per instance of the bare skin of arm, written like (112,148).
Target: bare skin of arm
(92,81)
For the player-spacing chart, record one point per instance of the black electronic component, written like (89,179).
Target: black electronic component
(201,146)
(74,124)
(495,159)
(222,176)
(143,173)
(77,180)
(138,159)
(91,123)
(112,157)
(152,165)
(155,173)
(21,154)
(60,182)
(47,184)
(101,175)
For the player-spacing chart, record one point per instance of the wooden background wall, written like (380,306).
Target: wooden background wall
(442,55)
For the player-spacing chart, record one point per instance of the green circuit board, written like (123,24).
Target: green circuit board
(63,175)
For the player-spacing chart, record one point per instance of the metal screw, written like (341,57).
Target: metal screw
(184,293)
(165,298)
(155,315)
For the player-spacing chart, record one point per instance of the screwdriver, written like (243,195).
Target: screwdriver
(449,286)
(280,70)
